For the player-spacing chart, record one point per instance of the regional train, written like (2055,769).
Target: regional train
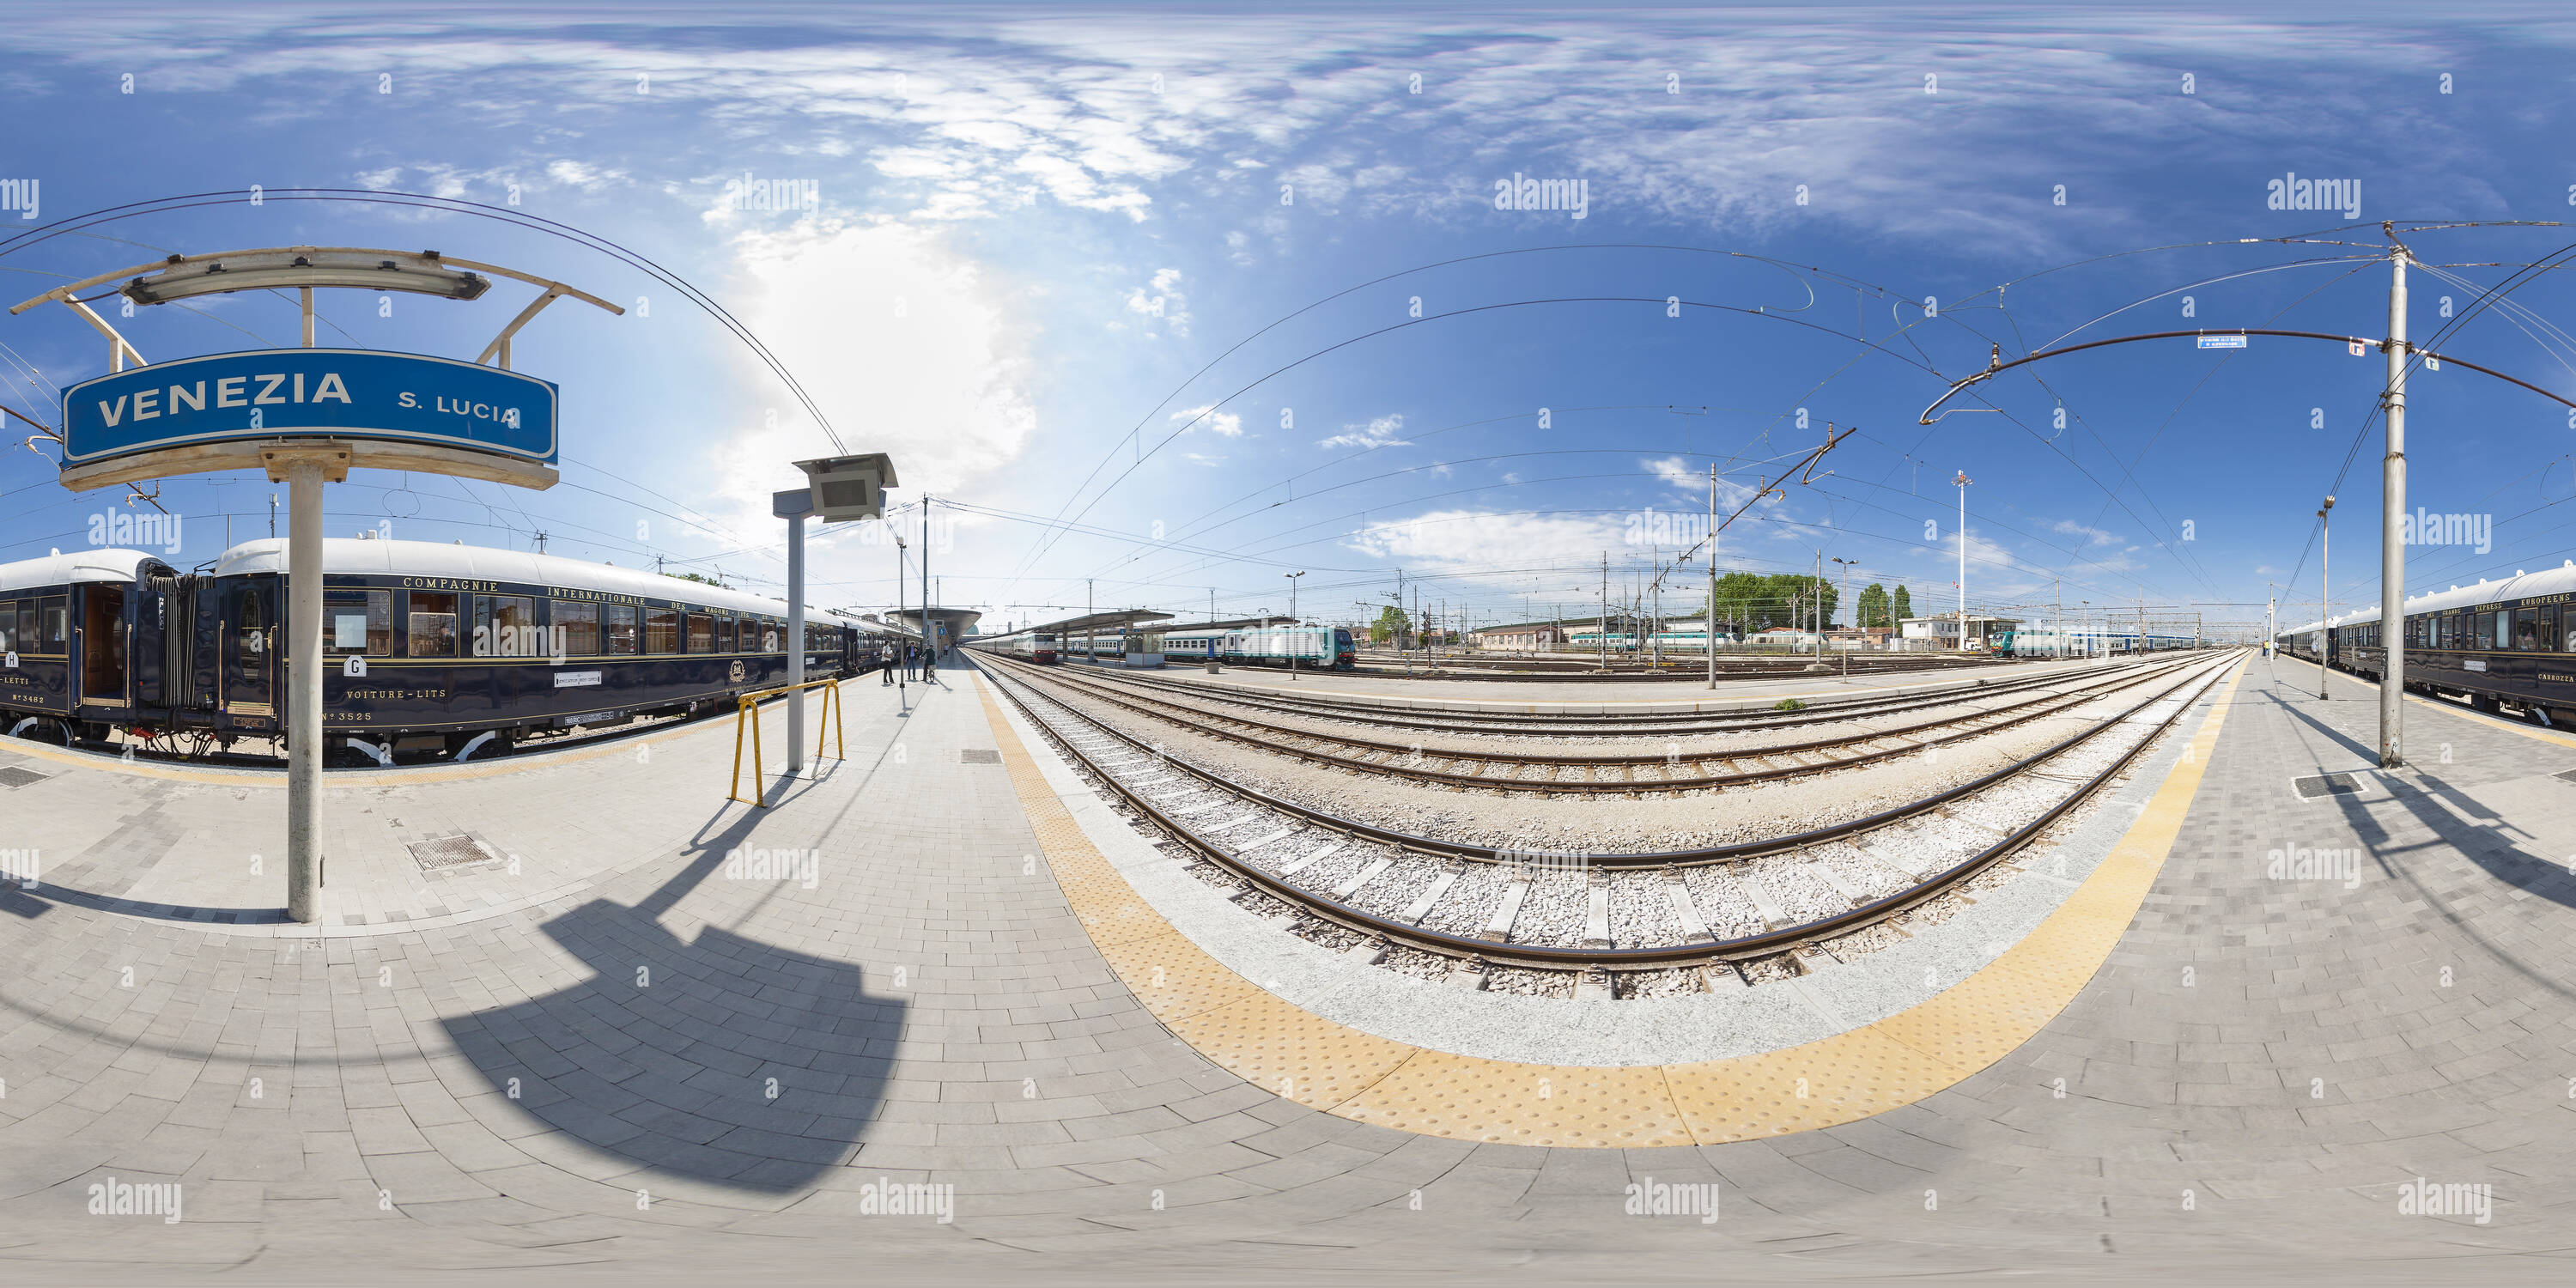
(2498,644)
(1323,648)
(441,650)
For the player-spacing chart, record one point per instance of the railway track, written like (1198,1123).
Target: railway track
(1671,769)
(1561,723)
(1534,921)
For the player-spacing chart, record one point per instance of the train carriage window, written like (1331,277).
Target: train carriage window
(53,625)
(661,630)
(702,633)
(2499,630)
(2548,634)
(2526,630)
(433,625)
(9,627)
(577,627)
(358,621)
(506,626)
(623,636)
(727,634)
(769,633)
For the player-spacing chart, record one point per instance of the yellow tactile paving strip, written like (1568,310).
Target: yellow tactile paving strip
(1904,1058)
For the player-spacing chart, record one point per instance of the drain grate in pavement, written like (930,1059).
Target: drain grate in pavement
(13,776)
(978,756)
(2315,786)
(448,853)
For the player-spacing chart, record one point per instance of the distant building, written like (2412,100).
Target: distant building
(1528,635)
(1943,631)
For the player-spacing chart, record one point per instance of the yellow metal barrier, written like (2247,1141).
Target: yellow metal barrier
(749,706)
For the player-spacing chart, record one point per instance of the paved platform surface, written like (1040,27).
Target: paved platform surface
(2271,1070)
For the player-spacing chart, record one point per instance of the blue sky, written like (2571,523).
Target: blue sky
(1137,287)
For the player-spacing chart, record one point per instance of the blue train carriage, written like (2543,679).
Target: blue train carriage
(467,650)
(85,643)
(2509,640)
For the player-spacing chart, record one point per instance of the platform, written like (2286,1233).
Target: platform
(2260,1061)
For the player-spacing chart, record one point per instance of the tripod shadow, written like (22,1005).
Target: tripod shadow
(719,1058)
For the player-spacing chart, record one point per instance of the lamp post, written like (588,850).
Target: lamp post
(1962,483)
(1292,622)
(902,670)
(1846,594)
(2325,589)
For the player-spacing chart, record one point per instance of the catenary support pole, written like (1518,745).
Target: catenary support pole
(2392,544)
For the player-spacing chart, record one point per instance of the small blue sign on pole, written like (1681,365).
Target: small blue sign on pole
(2222,342)
(310,393)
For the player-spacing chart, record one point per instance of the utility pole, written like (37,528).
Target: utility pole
(1656,553)
(929,629)
(1292,622)
(902,669)
(1846,594)
(2057,592)
(2392,547)
(2325,592)
(1708,633)
(1962,482)
(1601,629)
(1089,631)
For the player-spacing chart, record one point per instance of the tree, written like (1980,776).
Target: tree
(1873,605)
(1391,624)
(699,578)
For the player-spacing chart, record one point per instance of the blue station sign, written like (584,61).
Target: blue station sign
(310,393)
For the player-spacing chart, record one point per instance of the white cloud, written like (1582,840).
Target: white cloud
(1692,481)
(906,344)
(2092,535)
(1379,432)
(1465,541)
(1163,299)
(1224,424)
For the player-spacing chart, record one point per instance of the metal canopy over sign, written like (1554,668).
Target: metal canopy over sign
(274,394)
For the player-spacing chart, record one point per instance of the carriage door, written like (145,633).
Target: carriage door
(102,645)
(249,646)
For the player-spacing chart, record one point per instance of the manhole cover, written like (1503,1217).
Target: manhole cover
(448,853)
(978,756)
(12,776)
(2318,785)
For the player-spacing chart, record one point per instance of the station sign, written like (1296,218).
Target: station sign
(2222,341)
(310,393)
